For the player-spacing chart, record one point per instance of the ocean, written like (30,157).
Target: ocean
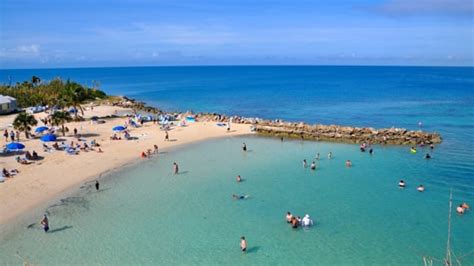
(147,216)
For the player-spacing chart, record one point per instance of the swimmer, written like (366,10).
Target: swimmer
(431,146)
(244,147)
(317,156)
(330,155)
(465,206)
(175,168)
(239,197)
(371,151)
(45,223)
(239,178)
(401,184)
(348,163)
(289,216)
(427,156)
(304,163)
(294,223)
(243,244)
(307,222)
(313,166)
(97,185)
(460,209)
(155,147)
(420,188)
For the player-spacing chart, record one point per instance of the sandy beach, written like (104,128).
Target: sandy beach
(58,172)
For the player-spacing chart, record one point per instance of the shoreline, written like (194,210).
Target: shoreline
(57,173)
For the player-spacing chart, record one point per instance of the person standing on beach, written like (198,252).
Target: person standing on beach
(12,135)
(5,134)
(17,136)
(175,168)
(97,185)
(244,147)
(45,223)
(167,137)
(243,244)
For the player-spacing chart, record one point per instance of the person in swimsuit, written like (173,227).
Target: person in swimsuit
(460,209)
(371,151)
(348,163)
(304,163)
(330,155)
(244,147)
(401,184)
(239,178)
(420,188)
(243,244)
(317,156)
(427,156)
(313,166)
(167,137)
(294,223)
(97,185)
(239,197)
(45,223)
(175,168)
(289,216)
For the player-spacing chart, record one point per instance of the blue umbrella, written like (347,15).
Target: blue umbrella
(41,129)
(49,137)
(14,146)
(118,128)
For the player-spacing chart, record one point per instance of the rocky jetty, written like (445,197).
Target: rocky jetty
(335,133)
(395,136)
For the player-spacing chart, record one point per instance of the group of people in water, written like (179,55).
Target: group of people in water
(402,184)
(462,208)
(296,221)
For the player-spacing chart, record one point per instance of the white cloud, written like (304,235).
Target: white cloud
(28,49)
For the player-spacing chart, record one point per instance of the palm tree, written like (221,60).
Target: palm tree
(74,96)
(59,118)
(23,122)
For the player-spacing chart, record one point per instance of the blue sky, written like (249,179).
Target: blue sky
(71,33)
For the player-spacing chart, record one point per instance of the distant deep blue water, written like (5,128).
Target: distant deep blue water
(378,223)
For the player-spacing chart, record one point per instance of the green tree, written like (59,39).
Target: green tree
(24,122)
(59,118)
(74,96)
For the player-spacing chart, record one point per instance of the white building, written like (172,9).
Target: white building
(7,104)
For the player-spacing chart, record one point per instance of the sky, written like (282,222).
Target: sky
(98,33)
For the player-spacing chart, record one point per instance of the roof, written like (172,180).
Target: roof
(6,99)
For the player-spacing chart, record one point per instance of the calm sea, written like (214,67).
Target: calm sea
(147,216)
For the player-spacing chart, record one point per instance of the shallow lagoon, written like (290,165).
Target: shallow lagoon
(145,215)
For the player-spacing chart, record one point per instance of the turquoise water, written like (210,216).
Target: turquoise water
(145,215)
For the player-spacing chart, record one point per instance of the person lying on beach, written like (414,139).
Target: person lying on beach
(239,197)
(5,173)
(22,160)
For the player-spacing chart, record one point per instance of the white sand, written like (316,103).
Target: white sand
(58,172)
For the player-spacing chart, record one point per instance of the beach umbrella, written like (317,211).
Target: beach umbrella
(14,146)
(41,129)
(118,128)
(49,137)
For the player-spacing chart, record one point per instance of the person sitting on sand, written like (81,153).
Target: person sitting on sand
(240,197)
(420,188)
(100,150)
(5,173)
(348,163)
(401,184)
(243,244)
(35,155)
(56,146)
(460,209)
(21,160)
(239,179)
(313,166)
(28,155)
